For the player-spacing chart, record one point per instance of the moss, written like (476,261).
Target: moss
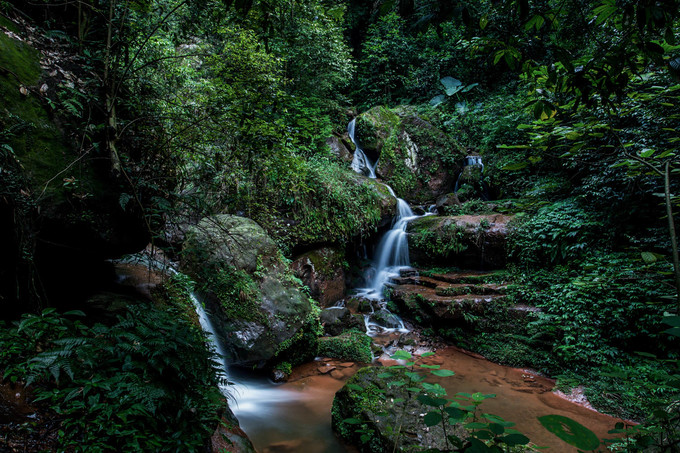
(34,137)
(402,179)
(352,345)
(301,347)
(438,240)
(8,24)
(237,293)
(327,261)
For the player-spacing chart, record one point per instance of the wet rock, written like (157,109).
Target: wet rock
(229,437)
(337,320)
(393,417)
(257,308)
(339,149)
(385,319)
(322,271)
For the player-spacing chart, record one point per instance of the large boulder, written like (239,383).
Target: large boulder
(377,417)
(466,241)
(323,272)
(417,159)
(257,306)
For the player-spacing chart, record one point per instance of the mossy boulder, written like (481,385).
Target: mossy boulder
(352,345)
(257,305)
(417,159)
(323,272)
(467,241)
(389,418)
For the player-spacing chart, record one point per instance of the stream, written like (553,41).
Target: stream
(296,416)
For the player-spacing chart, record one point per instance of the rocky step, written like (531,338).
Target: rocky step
(443,288)
(463,277)
(429,305)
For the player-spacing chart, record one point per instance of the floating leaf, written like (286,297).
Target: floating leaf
(570,431)
(442,373)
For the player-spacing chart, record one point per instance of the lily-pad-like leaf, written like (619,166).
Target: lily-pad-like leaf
(451,85)
(435,101)
(570,431)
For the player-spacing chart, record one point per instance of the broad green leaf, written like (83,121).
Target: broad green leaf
(435,101)
(515,439)
(647,152)
(352,421)
(673,321)
(570,431)
(451,84)
(442,373)
(432,418)
(496,428)
(648,257)
(515,166)
(401,355)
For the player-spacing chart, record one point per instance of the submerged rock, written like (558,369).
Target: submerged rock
(389,418)
(258,308)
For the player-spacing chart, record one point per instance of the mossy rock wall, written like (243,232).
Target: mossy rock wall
(416,159)
(61,215)
(468,241)
(256,303)
(323,272)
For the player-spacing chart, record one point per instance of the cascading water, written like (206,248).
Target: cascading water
(474,161)
(391,255)
(360,163)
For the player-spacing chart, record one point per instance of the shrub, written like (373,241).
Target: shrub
(145,383)
(557,233)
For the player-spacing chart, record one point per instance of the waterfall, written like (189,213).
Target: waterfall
(391,255)
(475,161)
(360,162)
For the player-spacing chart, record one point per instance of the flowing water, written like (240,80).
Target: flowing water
(360,163)
(295,416)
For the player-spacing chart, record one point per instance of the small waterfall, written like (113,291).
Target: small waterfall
(360,163)
(467,162)
(391,255)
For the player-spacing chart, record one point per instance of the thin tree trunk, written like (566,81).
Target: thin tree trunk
(671,230)
(110,87)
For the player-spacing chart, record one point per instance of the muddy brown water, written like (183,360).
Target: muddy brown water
(295,416)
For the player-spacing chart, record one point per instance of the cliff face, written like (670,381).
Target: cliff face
(61,209)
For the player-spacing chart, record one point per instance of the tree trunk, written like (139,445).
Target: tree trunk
(671,231)
(110,87)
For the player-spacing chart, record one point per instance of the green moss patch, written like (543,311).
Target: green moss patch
(352,345)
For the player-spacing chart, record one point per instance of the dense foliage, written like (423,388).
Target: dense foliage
(189,108)
(144,382)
